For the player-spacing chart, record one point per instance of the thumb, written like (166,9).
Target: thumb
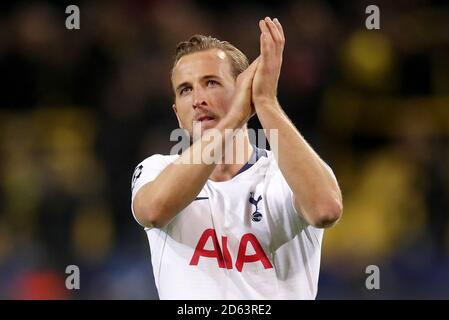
(248,75)
(253,66)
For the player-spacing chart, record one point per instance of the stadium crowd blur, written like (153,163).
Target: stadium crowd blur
(80,108)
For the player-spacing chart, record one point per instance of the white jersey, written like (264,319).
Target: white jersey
(239,239)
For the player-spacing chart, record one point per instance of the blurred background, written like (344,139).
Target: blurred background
(79,109)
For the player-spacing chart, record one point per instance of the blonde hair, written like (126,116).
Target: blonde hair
(198,42)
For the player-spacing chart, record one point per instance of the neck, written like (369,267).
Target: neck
(229,169)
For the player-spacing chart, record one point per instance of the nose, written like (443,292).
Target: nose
(199,97)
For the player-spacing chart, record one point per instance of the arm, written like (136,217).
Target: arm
(160,200)
(317,195)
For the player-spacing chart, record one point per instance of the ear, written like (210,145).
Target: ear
(177,117)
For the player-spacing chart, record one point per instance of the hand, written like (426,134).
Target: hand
(267,75)
(242,107)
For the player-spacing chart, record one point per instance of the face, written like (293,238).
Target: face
(204,87)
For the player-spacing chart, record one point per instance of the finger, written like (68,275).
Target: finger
(279,26)
(266,41)
(248,74)
(253,66)
(251,71)
(275,34)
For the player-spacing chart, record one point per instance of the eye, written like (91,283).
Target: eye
(185,90)
(212,83)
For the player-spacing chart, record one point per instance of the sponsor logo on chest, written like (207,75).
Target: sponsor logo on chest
(223,255)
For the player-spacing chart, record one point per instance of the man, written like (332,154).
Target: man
(235,230)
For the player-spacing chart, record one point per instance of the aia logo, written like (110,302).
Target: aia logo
(222,254)
(256,215)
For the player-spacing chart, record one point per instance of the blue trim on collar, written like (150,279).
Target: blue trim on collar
(257,154)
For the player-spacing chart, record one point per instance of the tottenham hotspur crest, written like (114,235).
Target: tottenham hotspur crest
(256,215)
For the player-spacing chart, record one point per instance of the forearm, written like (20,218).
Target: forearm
(179,183)
(316,191)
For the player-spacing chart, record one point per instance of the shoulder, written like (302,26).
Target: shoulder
(148,169)
(159,159)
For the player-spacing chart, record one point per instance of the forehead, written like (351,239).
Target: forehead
(198,64)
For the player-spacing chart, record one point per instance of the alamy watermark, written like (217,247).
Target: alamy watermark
(373,280)
(73,20)
(373,20)
(221,147)
(72,282)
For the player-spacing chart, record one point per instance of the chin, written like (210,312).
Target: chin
(205,125)
(198,131)
(208,124)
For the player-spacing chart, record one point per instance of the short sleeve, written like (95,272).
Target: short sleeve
(147,171)
(287,222)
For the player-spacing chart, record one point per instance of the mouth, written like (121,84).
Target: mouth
(205,118)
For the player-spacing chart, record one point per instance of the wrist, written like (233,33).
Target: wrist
(232,120)
(266,102)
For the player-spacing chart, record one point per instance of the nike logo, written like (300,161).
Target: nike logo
(201,198)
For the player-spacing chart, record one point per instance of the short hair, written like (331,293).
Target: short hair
(198,43)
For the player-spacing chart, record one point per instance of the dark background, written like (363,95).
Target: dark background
(79,109)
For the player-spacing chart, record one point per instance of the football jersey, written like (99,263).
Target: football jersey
(239,239)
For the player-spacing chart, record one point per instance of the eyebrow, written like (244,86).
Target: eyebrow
(207,77)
